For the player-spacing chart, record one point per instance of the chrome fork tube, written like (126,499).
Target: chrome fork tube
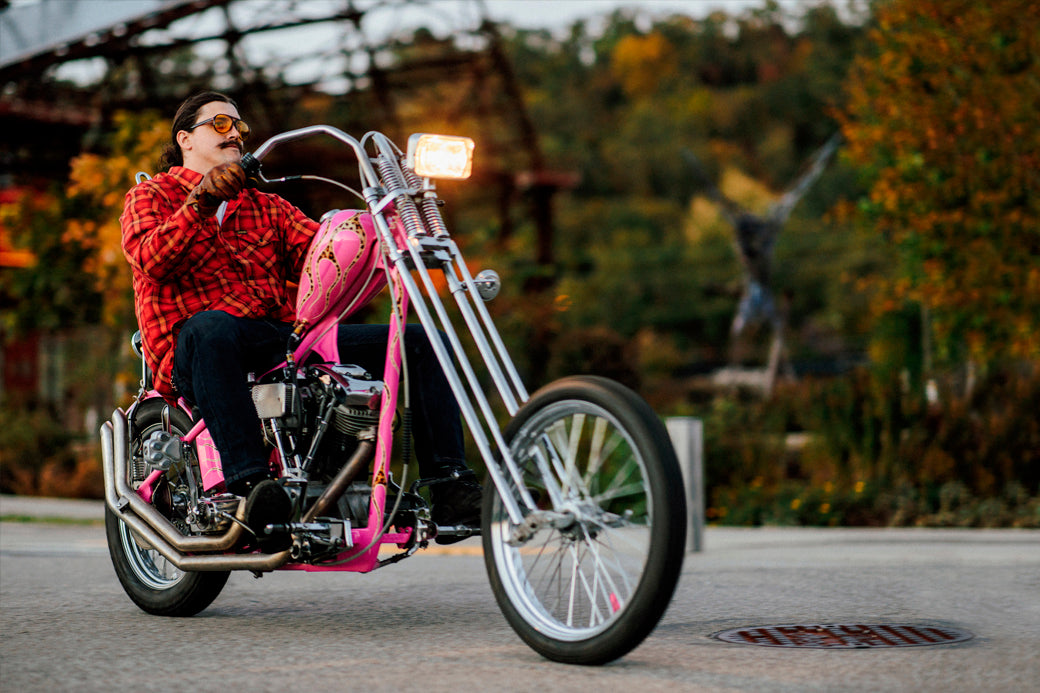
(475,392)
(446,254)
(465,400)
(467,302)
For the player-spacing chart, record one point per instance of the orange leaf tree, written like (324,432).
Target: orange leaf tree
(98,185)
(944,115)
(80,276)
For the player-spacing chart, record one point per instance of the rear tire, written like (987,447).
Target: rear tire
(590,592)
(152,582)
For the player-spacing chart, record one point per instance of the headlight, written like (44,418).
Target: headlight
(440,156)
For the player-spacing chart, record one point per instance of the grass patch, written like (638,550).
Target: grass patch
(52,520)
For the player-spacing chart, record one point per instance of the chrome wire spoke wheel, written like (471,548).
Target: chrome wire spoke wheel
(589,572)
(150,566)
(577,574)
(150,580)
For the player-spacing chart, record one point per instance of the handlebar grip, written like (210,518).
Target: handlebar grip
(250,164)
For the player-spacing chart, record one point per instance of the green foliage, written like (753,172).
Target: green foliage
(636,249)
(866,451)
(38,456)
(635,240)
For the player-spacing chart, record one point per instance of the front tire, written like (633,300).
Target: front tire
(152,582)
(591,591)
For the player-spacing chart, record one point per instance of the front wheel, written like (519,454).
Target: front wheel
(153,583)
(590,572)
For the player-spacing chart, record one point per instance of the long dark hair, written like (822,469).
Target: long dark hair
(186,116)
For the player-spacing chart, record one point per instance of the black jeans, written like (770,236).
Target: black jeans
(216,351)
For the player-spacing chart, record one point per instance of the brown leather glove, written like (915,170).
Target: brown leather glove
(220,183)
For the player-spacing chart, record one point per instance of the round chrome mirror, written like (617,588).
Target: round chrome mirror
(488,284)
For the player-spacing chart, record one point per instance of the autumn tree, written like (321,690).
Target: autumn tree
(98,185)
(81,276)
(942,115)
(53,291)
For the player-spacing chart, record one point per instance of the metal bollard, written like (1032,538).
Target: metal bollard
(687,434)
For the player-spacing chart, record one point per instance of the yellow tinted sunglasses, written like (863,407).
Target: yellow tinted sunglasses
(222,123)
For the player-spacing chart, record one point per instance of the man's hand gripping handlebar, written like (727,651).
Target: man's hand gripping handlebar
(221,183)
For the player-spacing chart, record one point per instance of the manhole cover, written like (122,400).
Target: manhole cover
(844,635)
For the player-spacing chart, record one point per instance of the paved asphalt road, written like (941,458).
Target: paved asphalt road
(431,623)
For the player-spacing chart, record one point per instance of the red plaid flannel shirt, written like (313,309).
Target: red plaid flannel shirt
(183,263)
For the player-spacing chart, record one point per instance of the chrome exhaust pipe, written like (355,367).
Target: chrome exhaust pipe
(145,521)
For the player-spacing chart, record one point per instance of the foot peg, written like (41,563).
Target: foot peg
(450,534)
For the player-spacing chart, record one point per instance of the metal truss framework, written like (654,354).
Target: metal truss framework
(46,34)
(274,51)
(331,45)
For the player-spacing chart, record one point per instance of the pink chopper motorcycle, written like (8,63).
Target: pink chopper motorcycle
(583,523)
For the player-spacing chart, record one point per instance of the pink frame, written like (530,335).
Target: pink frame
(319,282)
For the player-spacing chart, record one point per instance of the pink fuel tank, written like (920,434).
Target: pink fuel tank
(343,271)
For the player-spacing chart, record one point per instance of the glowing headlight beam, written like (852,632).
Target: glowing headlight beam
(440,156)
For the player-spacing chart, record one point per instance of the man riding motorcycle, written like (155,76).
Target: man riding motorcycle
(211,261)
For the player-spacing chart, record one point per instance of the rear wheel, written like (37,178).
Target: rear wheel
(594,570)
(149,579)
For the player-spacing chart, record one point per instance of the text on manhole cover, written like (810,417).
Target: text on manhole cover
(844,635)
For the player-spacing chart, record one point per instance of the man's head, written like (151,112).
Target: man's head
(196,140)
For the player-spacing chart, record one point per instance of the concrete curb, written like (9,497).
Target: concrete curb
(38,508)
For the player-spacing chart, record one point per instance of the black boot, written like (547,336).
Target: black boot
(269,504)
(458,501)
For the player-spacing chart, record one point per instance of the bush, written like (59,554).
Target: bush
(876,454)
(38,457)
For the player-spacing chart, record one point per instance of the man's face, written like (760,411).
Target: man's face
(204,147)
